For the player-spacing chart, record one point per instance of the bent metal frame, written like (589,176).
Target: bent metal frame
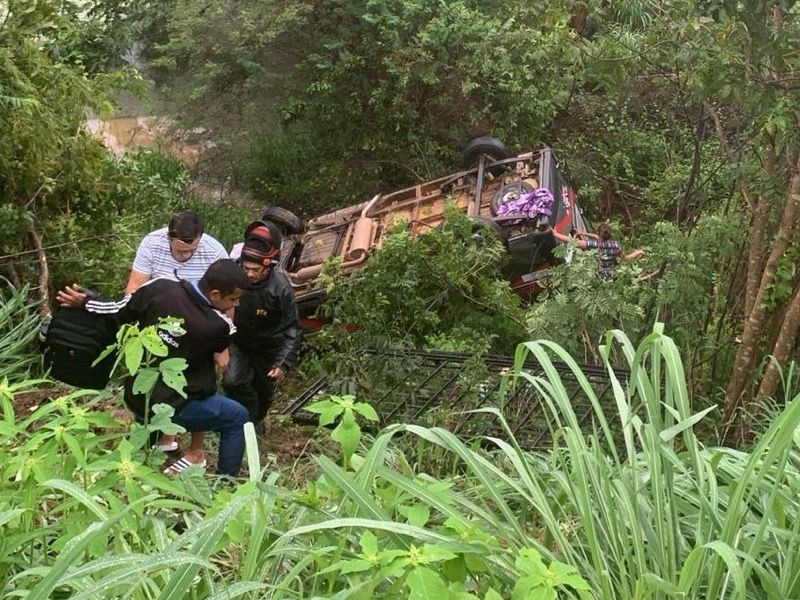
(440,388)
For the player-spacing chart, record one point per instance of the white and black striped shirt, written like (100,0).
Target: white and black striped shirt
(153,257)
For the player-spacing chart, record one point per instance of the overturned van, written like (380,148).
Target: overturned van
(493,178)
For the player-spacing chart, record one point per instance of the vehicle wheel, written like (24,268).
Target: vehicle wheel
(482,227)
(484,144)
(508,192)
(287,220)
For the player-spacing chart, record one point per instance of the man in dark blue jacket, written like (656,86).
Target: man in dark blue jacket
(202,306)
(267,335)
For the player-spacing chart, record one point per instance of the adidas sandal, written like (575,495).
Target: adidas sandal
(180,465)
(167,447)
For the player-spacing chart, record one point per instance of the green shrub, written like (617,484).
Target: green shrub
(440,290)
(644,512)
(19,326)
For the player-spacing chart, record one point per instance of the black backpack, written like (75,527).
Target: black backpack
(73,340)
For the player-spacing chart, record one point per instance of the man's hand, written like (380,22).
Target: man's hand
(221,360)
(276,373)
(71,296)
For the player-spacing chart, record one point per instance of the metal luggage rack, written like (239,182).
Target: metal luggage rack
(435,388)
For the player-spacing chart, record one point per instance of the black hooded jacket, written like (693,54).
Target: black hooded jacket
(207,331)
(266,321)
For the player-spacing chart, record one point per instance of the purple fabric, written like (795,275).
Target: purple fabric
(530,205)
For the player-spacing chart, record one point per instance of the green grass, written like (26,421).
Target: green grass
(645,512)
(19,325)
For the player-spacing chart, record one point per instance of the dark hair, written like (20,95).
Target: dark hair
(185,226)
(604,231)
(224,275)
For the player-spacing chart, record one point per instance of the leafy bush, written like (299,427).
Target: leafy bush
(647,511)
(19,326)
(378,93)
(679,281)
(440,290)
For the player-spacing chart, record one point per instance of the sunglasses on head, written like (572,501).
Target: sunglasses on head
(187,241)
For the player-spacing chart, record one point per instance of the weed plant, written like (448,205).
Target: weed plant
(19,326)
(664,517)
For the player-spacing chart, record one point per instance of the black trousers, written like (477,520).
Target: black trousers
(245,380)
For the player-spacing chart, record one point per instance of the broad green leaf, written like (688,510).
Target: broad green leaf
(172,374)
(530,561)
(524,585)
(172,325)
(145,380)
(327,411)
(133,351)
(424,584)
(432,553)
(355,566)
(365,410)
(153,343)
(418,515)
(368,543)
(161,420)
(567,575)
(347,433)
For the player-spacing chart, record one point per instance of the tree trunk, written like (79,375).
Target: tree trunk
(43,288)
(757,316)
(783,347)
(760,211)
(755,259)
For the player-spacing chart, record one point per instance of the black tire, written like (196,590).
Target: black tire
(287,220)
(483,144)
(507,192)
(481,227)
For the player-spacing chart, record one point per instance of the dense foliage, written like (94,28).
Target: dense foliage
(68,208)
(675,119)
(645,510)
(360,94)
(439,290)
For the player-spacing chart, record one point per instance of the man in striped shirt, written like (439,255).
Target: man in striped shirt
(179,251)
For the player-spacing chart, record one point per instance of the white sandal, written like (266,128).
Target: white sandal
(181,465)
(168,447)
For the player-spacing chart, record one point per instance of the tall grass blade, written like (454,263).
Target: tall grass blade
(205,538)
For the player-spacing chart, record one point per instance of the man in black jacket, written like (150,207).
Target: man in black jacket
(267,335)
(202,306)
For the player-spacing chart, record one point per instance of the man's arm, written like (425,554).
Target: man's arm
(73,296)
(562,237)
(135,281)
(142,268)
(633,254)
(292,333)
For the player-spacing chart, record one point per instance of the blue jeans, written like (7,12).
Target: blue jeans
(218,413)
